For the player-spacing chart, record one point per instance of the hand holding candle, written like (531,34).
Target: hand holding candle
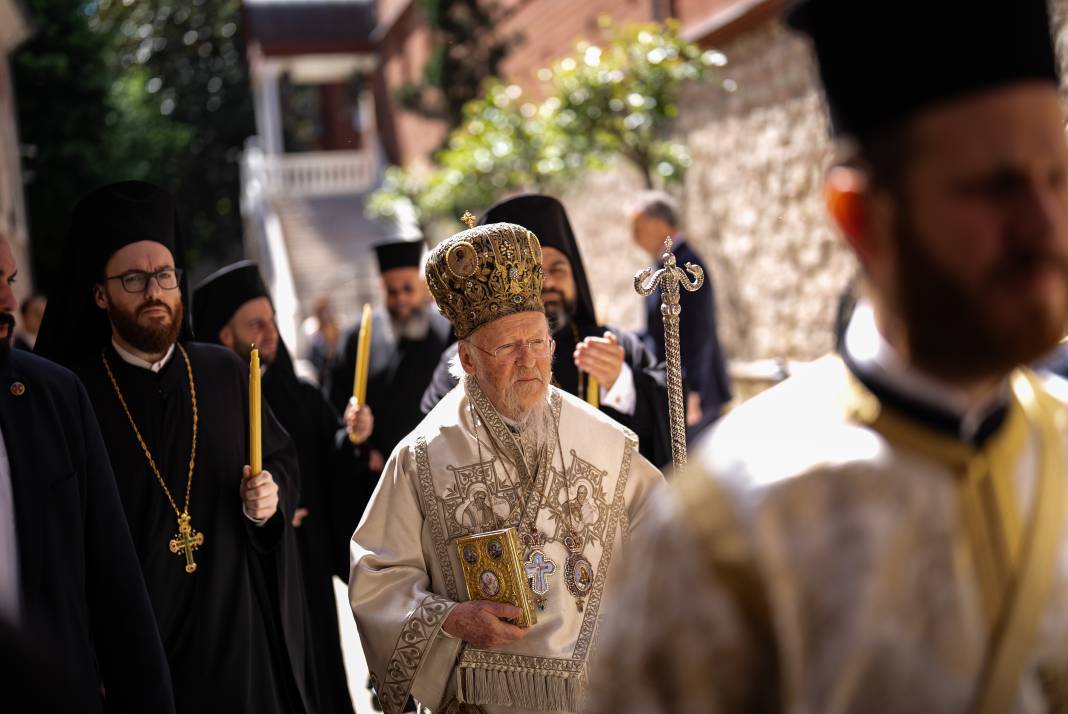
(363,362)
(255,444)
(601,358)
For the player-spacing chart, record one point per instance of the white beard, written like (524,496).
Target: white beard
(415,328)
(535,430)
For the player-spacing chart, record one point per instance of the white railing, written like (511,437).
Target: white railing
(317,173)
(304,175)
(265,244)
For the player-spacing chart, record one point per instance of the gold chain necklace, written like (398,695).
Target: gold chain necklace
(186,540)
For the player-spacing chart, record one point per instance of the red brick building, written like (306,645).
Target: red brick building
(548,29)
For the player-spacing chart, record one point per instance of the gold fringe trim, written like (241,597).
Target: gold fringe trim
(523,689)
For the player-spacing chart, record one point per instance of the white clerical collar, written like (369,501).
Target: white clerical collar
(870,353)
(136,361)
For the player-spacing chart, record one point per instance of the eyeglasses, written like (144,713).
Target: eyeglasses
(136,281)
(538,347)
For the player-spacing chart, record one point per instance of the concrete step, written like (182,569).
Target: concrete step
(329,243)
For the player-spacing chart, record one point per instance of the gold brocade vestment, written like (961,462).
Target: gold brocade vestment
(456,475)
(846,558)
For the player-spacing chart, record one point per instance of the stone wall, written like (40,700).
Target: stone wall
(751,201)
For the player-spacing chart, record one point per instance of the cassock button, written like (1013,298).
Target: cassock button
(18,389)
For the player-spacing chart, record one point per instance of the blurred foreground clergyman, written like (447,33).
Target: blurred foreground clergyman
(504,450)
(886,531)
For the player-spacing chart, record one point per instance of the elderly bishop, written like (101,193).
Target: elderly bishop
(557,485)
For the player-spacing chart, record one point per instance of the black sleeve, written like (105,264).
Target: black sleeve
(341,375)
(717,360)
(133,665)
(280,459)
(348,487)
(650,420)
(442,382)
(696,324)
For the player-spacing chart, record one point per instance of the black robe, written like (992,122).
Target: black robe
(650,418)
(335,488)
(84,606)
(234,631)
(399,373)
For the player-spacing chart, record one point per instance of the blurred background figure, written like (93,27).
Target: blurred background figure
(655,216)
(325,334)
(408,338)
(31,310)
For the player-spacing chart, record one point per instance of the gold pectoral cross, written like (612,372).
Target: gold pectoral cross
(186,541)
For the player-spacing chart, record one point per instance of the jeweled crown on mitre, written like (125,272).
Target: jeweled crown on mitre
(485,273)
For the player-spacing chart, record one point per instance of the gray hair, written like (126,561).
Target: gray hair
(658,204)
(455,368)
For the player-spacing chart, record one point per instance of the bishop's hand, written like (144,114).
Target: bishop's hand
(600,357)
(484,623)
(359,421)
(259,495)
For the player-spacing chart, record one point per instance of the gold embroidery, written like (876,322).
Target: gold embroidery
(431,513)
(414,640)
(577,498)
(486,472)
(485,273)
(502,661)
(504,440)
(480,499)
(589,619)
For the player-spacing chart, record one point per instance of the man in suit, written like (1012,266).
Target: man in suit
(654,217)
(69,576)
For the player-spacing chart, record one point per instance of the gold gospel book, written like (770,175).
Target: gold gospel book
(493,570)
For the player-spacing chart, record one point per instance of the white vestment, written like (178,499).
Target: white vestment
(828,554)
(455,475)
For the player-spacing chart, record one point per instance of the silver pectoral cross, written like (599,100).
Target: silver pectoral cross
(670,278)
(538,568)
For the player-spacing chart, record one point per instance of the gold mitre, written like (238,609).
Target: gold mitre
(485,273)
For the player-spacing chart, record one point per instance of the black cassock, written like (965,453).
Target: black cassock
(335,488)
(399,372)
(84,604)
(234,631)
(649,421)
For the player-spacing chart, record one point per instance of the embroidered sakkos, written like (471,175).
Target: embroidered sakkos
(461,473)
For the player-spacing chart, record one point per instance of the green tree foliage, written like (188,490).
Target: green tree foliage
(79,124)
(621,99)
(602,104)
(121,89)
(189,59)
(503,143)
(467,49)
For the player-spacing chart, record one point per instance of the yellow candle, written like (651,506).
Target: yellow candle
(363,357)
(255,445)
(593,392)
(363,361)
